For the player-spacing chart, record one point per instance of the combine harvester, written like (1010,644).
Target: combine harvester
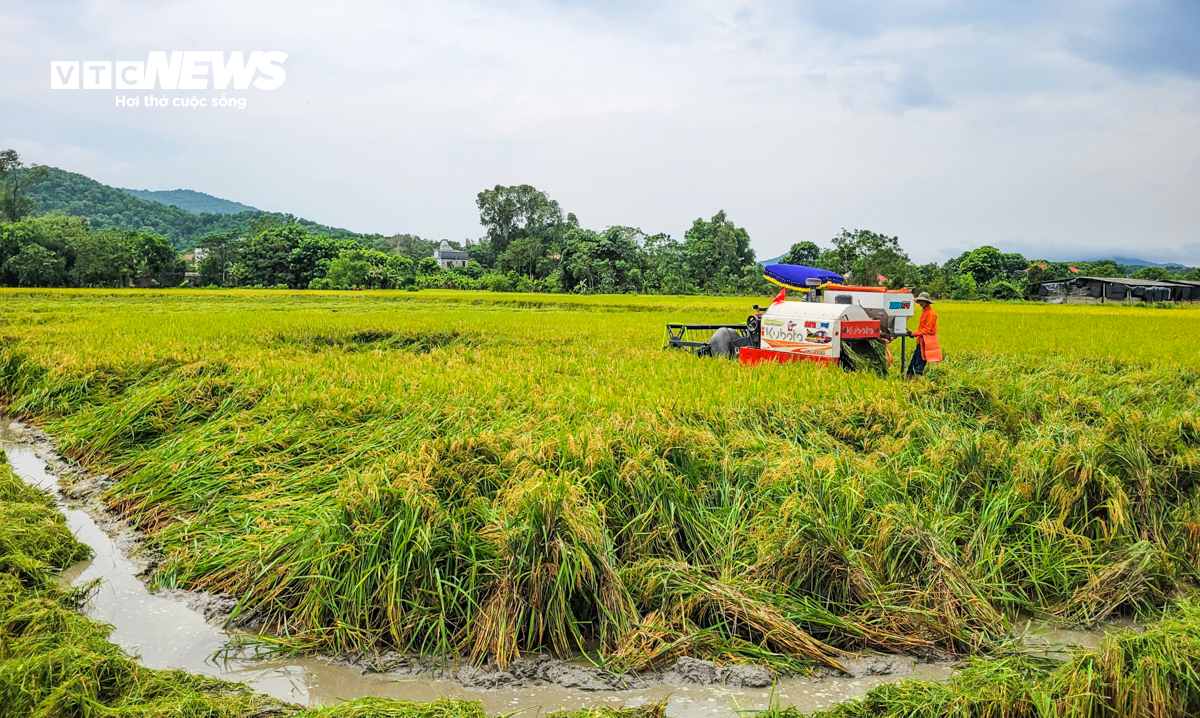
(831,324)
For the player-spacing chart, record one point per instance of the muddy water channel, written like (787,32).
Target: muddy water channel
(166,633)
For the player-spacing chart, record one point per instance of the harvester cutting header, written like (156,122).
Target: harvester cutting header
(832,323)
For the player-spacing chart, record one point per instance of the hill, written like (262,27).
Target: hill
(191,200)
(1126,261)
(105,206)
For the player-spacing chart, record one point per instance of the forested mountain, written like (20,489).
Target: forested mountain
(191,200)
(105,206)
(1126,261)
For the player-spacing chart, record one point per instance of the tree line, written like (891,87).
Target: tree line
(529,244)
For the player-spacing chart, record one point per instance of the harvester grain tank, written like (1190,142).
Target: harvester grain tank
(832,323)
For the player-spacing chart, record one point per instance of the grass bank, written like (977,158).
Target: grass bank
(376,471)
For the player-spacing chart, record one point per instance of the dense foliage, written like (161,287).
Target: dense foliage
(529,244)
(58,250)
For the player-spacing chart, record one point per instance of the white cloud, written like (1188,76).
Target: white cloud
(393,116)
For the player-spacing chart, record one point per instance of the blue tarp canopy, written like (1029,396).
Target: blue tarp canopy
(795,276)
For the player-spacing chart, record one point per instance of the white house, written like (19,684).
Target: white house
(448,256)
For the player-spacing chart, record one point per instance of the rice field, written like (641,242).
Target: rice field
(478,475)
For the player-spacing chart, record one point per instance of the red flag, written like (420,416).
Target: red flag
(782,297)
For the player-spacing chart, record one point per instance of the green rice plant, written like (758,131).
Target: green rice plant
(553,554)
(460,473)
(865,355)
(1152,672)
(31,528)
(649,710)
(909,544)
(1008,687)
(57,663)
(681,596)
(1155,672)
(1138,578)
(387,708)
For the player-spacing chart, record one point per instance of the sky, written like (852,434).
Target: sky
(1062,130)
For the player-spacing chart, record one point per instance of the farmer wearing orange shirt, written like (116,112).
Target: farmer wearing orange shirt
(928,349)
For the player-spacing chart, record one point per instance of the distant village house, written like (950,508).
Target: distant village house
(448,257)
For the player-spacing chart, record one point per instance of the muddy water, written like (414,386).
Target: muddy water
(168,634)
(1057,642)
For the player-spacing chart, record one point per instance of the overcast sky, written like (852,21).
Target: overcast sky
(1065,129)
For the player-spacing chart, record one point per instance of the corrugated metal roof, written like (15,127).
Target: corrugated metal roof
(1128,281)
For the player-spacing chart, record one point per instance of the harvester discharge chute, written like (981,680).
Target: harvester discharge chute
(832,324)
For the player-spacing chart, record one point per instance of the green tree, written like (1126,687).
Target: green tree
(1003,289)
(803,253)
(474,269)
(375,260)
(1154,274)
(264,222)
(599,261)
(985,265)
(829,259)
(36,266)
(428,266)
(15,179)
(1015,265)
(664,266)
(412,246)
(482,253)
(718,253)
(964,287)
(239,274)
(311,256)
(158,262)
(1041,270)
(510,213)
(55,232)
(523,256)
(496,282)
(347,272)
(106,258)
(863,255)
(1105,268)
(221,250)
(267,256)
(400,272)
